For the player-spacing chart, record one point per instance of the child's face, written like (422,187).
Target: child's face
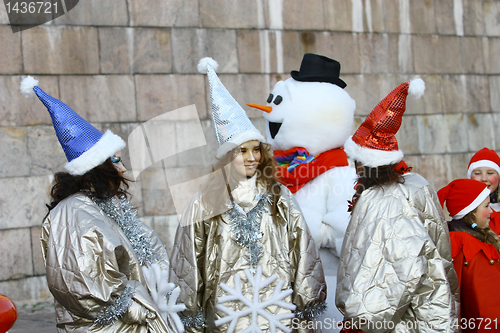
(247,158)
(486,175)
(483,213)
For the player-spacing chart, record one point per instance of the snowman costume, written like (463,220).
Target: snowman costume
(309,118)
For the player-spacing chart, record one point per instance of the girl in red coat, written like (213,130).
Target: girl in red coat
(476,254)
(485,167)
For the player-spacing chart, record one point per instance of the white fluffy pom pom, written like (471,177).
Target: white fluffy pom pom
(27,85)
(203,65)
(416,88)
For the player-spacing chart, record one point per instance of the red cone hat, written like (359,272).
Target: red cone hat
(374,143)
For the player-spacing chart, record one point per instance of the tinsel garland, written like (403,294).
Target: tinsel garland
(113,312)
(246,228)
(311,312)
(127,220)
(196,321)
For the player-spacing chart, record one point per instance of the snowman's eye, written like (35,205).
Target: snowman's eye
(270,98)
(278,100)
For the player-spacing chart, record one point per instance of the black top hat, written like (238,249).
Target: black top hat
(318,68)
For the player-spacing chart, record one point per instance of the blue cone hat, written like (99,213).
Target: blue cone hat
(230,122)
(84,145)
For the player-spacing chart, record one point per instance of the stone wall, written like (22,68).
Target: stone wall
(122,62)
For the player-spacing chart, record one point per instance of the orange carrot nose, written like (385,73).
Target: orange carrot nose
(264,108)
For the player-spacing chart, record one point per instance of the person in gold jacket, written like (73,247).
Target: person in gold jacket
(107,271)
(243,255)
(395,272)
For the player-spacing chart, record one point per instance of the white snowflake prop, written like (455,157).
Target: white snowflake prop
(255,307)
(159,291)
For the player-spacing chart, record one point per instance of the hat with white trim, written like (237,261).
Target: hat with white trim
(484,158)
(462,196)
(84,145)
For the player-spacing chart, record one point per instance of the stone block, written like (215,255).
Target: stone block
(38,262)
(16,110)
(294,45)
(491,17)
(445,21)
(96,12)
(378,53)
(60,50)
(247,88)
(100,98)
(22,201)
(232,14)
(493,48)
(494,81)
(14,146)
(114,51)
(16,259)
(456,126)
(458,165)
(27,290)
(422,18)
(405,54)
(434,168)
(472,55)
(437,54)
(296,16)
(496,123)
(392,16)
(473,18)
(164,13)
(203,156)
(190,45)
(10,53)
(481,131)
(368,90)
(407,135)
(152,52)
(433,136)
(338,15)
(342,47)
(157,94)
(4,18)
(373,16)
(156,196)
(431,102)
(165,227)
(258,51)
(45,153)
(465,93)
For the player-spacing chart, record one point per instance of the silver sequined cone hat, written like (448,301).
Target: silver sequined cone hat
(230,122)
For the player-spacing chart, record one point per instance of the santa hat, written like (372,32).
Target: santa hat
(462,196)
(484,158)
(374,143)
(84,145)
(230,122)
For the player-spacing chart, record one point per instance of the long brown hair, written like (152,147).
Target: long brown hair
(489,235)
(378,177)
(224,179)
(104,181)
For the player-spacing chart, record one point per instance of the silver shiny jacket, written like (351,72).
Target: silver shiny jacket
(206,255)
(395,272)
(90,264)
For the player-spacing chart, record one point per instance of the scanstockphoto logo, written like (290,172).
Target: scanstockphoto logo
(28,14)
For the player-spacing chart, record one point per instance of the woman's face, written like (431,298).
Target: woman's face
(483,213)
(486,175)
(247,158)
(117,162)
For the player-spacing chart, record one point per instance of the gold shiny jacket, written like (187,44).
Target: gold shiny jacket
(90,263)
(396,265)
(205,256)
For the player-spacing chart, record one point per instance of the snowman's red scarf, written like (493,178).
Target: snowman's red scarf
(306,171)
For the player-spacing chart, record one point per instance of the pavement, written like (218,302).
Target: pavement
(38,317)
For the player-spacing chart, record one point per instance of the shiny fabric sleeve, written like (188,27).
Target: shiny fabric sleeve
(86,265)
(309,286)
(390,270)
(187,256)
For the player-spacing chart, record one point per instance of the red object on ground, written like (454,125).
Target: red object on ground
(8,313)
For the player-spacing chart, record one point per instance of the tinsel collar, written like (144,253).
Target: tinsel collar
(246,228)
(118,209)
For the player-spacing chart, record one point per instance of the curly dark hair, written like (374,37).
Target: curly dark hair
(103,181)
(378,176)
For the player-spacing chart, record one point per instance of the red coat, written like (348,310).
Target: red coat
(495,222)
(478,268)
